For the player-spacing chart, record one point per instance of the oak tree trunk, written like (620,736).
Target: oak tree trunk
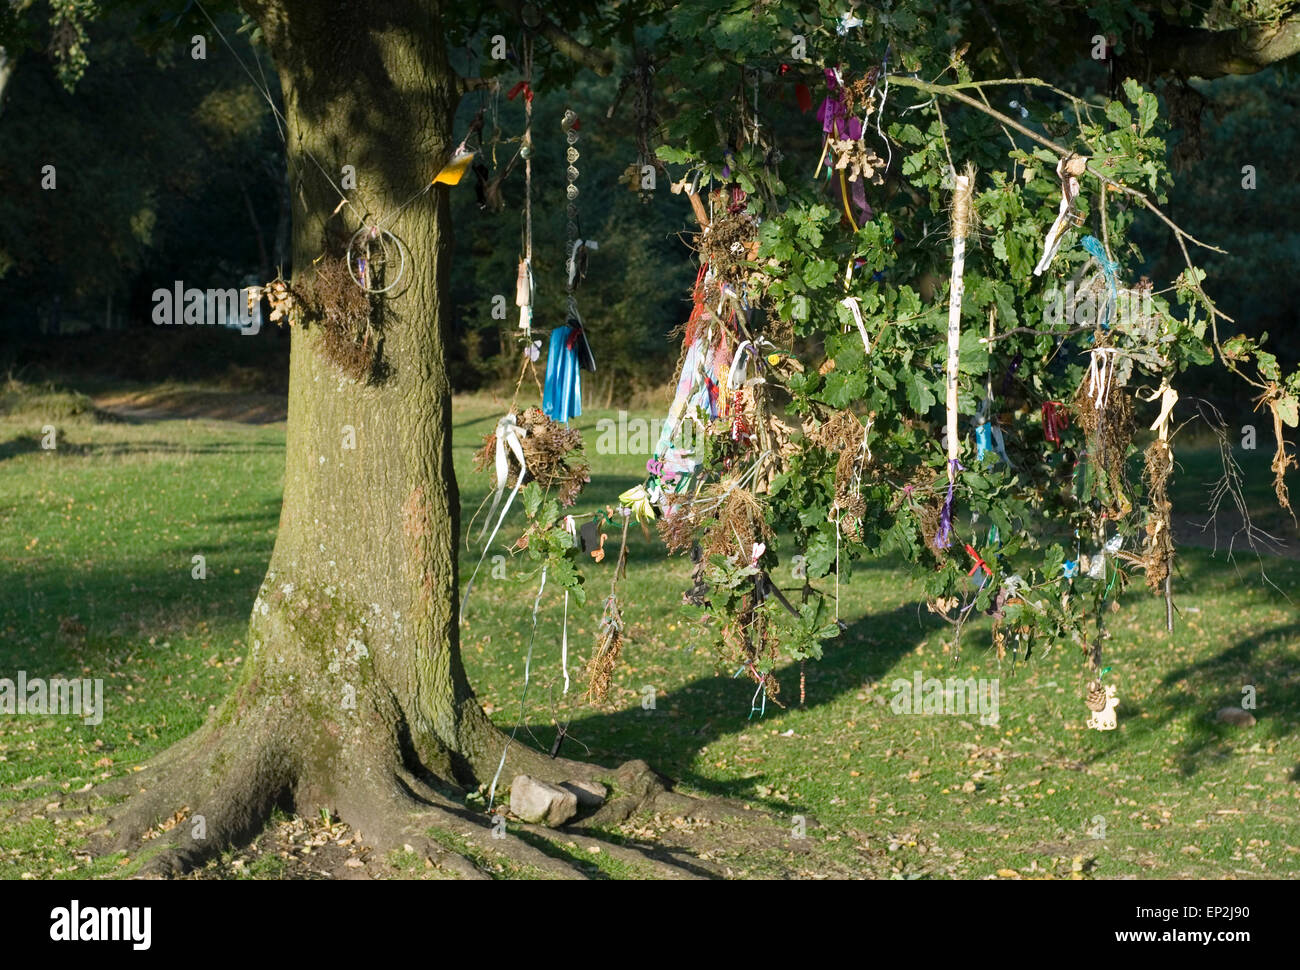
(353,697)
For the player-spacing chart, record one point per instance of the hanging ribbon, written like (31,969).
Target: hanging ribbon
(943,538)
(525,88)
(562,398)
(983,440)
(804,98)
(1101,371)
(1168,398)
(508,435)
(1055,419)
(523,695)
(963,185)
(524,295)
(834,112)
(572,529)
(979,561)
(856,309)
(739,368)
(1069,192)
(988,436)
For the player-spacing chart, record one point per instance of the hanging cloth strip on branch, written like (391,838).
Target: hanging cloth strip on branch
(1101,374)
(508,435)
(988,436)
(1066,169)
(1055,419)
(572,529)
(524,296)
(1168,397)
(523,695)
(562,399)
(943,537)
(855,309)
(963,186)
(524,289)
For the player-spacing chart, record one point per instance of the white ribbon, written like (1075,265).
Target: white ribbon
(508,434)
(852,303)
(525,307)
(1101,371)
(736,374)
(1069,190)
(570,527)
(1168,398)
(571,264)
(528,665)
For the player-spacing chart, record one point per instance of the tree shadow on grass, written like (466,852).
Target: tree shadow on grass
(1197,691)
(708,708)
(21,445)
(108,449)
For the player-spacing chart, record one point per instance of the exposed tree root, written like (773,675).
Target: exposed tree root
(217,788)
(395,774)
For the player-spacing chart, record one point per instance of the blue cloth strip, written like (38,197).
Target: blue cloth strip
(562,398)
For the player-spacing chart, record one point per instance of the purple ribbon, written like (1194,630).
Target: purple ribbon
(834,113)
(943,538)
(858,192)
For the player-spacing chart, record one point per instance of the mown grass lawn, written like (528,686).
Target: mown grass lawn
(97,539)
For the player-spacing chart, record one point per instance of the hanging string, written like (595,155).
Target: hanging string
(526,149)
(280,118)
(1108,268)
(528,661)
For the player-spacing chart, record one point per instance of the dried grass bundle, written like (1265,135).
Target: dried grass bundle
(347,318)
(931,516)
(552,451)
(677,531)
(736,524)
(728,247)
(843,435)
(1159,541)
(609,646)
(1109,433)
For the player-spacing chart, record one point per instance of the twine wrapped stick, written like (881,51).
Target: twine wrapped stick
(961,224)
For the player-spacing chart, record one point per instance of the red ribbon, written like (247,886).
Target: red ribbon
(979,563)
(1055,420)
(526,88)
(804,97)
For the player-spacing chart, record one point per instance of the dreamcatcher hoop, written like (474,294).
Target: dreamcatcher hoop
(359,265)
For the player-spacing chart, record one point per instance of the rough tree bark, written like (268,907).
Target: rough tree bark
(353,697)
(1191,52)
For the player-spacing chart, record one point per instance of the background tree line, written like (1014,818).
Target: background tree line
(169,166)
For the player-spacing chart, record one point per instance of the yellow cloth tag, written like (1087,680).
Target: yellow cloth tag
(453,171)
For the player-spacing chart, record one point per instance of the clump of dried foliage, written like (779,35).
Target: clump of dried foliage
(552,452)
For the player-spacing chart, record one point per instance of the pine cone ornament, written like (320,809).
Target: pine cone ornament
(1096,697)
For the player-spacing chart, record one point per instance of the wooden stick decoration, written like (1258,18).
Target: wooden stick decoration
(961,219)
(960,227)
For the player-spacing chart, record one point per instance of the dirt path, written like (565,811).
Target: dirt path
(164,404)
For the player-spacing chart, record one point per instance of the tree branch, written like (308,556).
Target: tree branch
(1209,54)
(466,84)
(1181,235)
(599,61)
(948,91)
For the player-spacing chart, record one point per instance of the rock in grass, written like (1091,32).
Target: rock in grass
(1235,716)
(540,802)
(590,794)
